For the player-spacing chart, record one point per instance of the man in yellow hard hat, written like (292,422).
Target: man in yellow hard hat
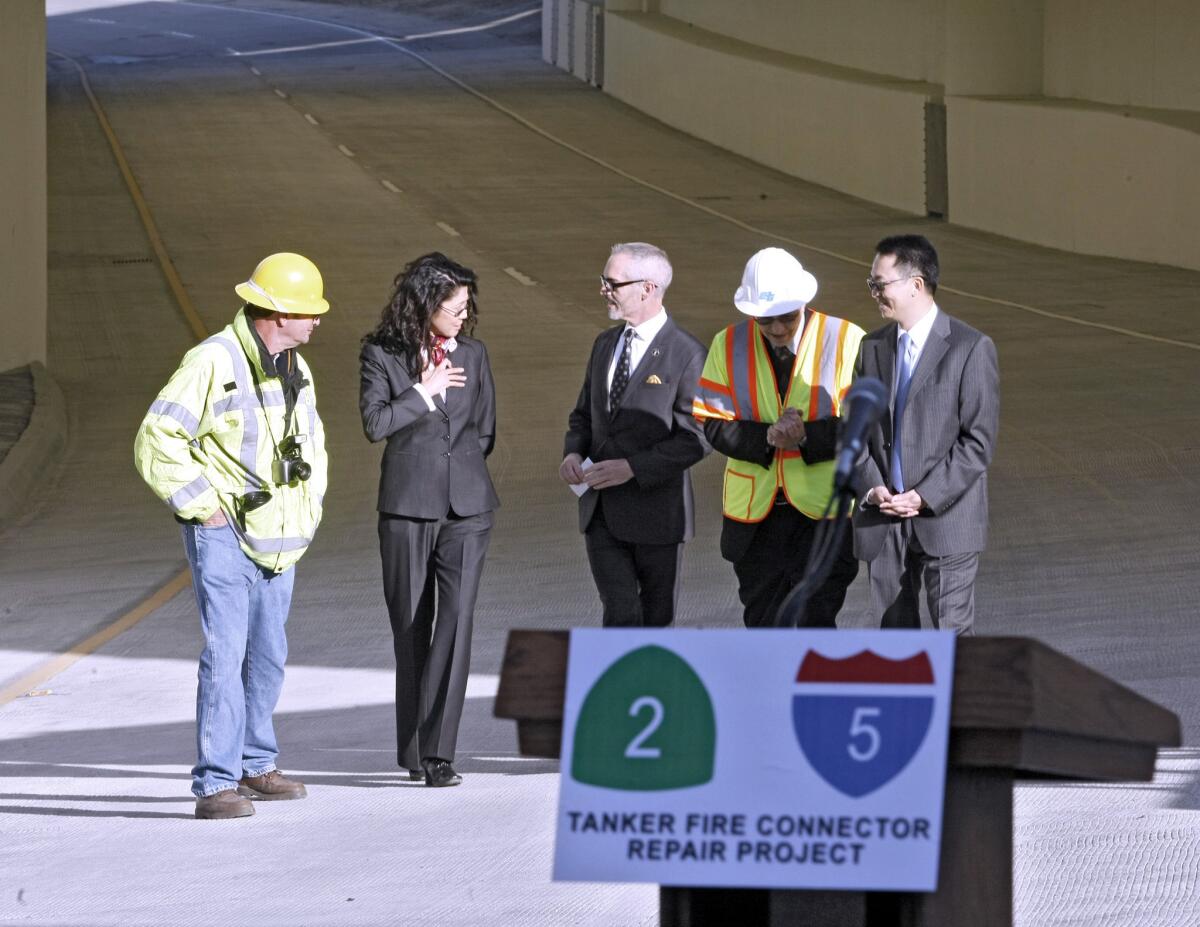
(233,444)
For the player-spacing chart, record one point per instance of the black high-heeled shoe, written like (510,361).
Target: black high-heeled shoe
(439,773)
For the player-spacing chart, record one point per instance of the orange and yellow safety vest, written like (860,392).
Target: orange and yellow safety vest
(739,383)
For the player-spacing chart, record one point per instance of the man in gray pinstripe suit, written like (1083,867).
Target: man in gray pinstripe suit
(922,516)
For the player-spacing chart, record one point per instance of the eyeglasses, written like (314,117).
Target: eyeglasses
(787,319)
(611,286)
(461,313)
(878,286)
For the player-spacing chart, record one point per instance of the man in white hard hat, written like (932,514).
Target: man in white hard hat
(769,400)
(234,446)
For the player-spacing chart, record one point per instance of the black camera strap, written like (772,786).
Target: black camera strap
(291,379)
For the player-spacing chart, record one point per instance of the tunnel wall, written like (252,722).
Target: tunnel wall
(22,183)
(1069,123)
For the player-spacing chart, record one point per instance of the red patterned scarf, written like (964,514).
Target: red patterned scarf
(439,349)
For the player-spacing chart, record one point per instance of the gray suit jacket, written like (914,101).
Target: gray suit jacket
(653,428)
(434,460)
(948,435)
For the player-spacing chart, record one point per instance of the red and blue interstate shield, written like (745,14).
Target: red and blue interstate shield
(860,720)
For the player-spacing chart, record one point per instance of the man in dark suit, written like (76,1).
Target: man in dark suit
(922,517)
(631,440)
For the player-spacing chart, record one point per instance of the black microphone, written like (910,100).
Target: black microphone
(867,400)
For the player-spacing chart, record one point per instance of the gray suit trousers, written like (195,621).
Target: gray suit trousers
(900,570)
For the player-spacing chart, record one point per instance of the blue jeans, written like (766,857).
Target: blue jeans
(243,609)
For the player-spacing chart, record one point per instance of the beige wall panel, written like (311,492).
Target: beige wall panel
(566,33)
(994,47)
(897,38)
(583,40)
(1082,180)
(22,182)
(809,125)
(1114,51)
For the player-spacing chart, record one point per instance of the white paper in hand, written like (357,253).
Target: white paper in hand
(580,488)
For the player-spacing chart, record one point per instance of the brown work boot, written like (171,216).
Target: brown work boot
(271,786)
(226,804)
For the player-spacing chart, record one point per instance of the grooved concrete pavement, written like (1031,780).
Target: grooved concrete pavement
(1098,450)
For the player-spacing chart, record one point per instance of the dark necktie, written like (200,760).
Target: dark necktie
(621,374)
(903,379)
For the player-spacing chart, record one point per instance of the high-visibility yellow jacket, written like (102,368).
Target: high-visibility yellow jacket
(738,382)
(211,436)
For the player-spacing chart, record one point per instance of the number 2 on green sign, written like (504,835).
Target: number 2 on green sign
(635,750)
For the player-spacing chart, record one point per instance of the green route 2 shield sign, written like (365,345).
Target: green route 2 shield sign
(646,725)
(781,759)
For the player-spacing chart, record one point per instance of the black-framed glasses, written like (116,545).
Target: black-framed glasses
(460,313)
(611,286)
(787,319)
(878,286)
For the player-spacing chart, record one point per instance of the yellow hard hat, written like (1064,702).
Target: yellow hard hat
(285,282)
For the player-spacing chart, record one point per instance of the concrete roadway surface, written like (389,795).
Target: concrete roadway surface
(363,156)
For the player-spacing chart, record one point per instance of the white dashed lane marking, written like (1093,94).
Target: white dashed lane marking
(520,277)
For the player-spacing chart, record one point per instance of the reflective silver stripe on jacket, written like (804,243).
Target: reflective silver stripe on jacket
(739,375)
(270,545)
(242,403)
(242,376)
(182,497)
(179,413)
(827,371)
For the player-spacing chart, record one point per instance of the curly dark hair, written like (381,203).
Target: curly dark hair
(404,328)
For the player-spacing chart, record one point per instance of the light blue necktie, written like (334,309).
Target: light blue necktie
(903,378)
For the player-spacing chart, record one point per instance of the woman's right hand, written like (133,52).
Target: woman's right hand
(443,376)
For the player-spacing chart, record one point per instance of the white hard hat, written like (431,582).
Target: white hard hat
(774,283)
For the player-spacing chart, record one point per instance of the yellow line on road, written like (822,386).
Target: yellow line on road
(59,662)
(160,251)
(51,667)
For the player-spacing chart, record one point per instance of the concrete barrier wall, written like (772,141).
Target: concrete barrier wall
(896,38)
(1115,51)
(22,182)
(1082,179)
(819,123)
(811,88)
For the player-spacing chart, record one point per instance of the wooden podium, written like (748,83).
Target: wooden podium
(1020,710)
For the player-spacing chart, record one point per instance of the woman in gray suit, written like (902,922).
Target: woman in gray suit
(426,388)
